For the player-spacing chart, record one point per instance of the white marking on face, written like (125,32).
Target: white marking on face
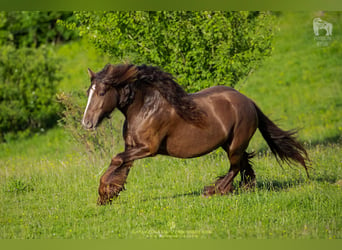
(91,92)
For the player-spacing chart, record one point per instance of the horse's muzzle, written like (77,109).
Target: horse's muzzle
(87,124)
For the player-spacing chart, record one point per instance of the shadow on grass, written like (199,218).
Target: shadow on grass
(279,185)
(196,193)
(273,186)
(334,139)
(270,186)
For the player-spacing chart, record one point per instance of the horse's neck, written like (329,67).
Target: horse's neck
(147,100)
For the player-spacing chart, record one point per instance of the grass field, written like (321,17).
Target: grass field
(48,183)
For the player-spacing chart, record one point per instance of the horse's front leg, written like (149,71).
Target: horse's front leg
(113,180)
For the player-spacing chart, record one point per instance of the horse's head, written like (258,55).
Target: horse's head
(103,93)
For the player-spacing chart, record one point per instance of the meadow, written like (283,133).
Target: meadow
(48,183)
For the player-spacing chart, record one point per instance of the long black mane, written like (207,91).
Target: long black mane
(167,86)
(143,76)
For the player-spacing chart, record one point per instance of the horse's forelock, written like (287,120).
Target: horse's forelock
(116,75)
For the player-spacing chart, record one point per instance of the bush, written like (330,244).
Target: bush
(34,28)
(29,70)
(97,143)
(28,81)
(202,48)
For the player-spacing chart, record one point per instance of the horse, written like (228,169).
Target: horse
(162,118)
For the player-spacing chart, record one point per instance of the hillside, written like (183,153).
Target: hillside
(300,85)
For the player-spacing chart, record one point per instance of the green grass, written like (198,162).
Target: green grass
(48,184)
(77,57)
(55,198)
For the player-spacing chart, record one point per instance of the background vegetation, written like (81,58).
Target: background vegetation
(201,48)
(34,28)
(29,79)
(29,71)
(48,183)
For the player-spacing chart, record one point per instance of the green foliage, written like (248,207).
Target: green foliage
(17,185)
(34,28)
(201,48)
(29,70)
(28,81)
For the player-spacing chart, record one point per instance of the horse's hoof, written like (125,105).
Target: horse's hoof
(209,191)
(103,201)
(206,196)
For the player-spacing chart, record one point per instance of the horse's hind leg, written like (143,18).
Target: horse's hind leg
(224,184)
(247,173)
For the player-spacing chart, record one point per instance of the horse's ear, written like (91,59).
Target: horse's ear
(109,68)
(91,73)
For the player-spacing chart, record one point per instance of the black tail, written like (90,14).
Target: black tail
(283,144)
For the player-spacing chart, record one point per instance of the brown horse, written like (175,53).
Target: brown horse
(161,118)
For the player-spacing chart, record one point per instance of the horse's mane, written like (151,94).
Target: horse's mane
(144,76)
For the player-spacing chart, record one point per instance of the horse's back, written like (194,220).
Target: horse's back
(230,94)
(225,109)
(230,103)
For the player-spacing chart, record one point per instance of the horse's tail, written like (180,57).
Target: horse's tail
(283,144)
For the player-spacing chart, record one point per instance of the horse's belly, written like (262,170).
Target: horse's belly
(190,143)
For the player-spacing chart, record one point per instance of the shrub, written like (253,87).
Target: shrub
(28,81)
(97,143)
(34,28)
(29,70)
(201,48)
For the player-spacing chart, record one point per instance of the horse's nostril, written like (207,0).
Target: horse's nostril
(87,124)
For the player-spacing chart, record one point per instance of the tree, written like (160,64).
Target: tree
(201,48)
(29,71)
(34,28)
